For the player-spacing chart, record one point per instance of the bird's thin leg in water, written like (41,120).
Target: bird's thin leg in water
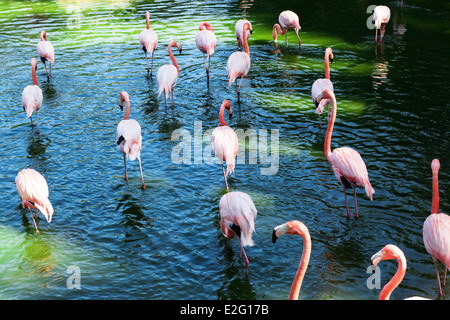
(34,222)
(50,69)
(242,250)
(37,121)
(356,206)
(151,70)
(125,165)
(437,275)
(172,98)
(146,60)
(346,203)
(223,169)
(142,175)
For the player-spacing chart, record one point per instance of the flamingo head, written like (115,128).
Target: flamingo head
(389,252)
(435,165)
(173,43)
(43,35)
(326,94)
(247,27)
(291,227)
(206,25)
(227,105)
(123,98)
(34,63)
(329,53)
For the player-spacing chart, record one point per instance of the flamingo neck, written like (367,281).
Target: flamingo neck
(303,265)
(222,109)
(147,18)
(277,27)
(33,75)
(246,48)
(206,25)
(385,294)
(327,66)
(43,35)
(327,145)
(172,57)
(435,201)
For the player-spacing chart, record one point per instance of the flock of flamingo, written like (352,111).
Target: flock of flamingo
(237,210)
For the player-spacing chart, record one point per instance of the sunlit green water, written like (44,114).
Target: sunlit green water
(165,242)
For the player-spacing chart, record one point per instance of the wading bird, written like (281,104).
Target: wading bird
(238,31)
(287,20)
(167,74)
(46,51)
(321,84)
(206,42)
(32,95)
(148,39)
(381,16)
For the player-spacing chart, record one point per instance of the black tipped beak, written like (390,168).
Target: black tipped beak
(331,60)
(316,103)
(274,236)
(230,115)
(121,107)
(236,229)
(119,141)
(251,31)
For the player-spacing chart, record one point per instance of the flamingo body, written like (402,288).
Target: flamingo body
(206,42)
(46,51)
(381,16)
(148,40)
(32,96)
(33,192)
(239,31)
(237,217)
(322,84)
(288,20)
(167,75)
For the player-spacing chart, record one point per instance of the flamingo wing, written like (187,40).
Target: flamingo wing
(167,77)
(239,31)
(289,20)
(238,65)
(317,88)
(206,42)
(46,51)
(381,14)
(237,208)
(225,144)
(436,237)
(32,99)
(148,39)
(129,138)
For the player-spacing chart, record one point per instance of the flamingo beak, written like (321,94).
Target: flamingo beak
(331,60)
(179,49)
(121,105)
(377,257)
(274,236)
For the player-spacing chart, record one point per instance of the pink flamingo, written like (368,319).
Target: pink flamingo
(148,39)
(33,192)
(224,142)
(129,138)
(238,31)
(321,84)
(32,95)
(206,42)
(389,252)
(46,51)
(237,217)
(348,166)
(296,227)
(167,74)
(238,64)
(287,20)
(381,16)
(436,229)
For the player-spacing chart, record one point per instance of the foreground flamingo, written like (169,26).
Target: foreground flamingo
(321,84)
(224,142)
(381,16)
(206,42)
(167,74)
(296,227)
(238,31)
(148,39)
(436,229)
(32,95)
(33,192)
(46,51)
(129,138)
(389,252)
(348,166)
(287,20)
(237,217)
(238,63)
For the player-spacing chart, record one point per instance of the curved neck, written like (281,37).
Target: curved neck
(435,202)
(385,294)
(43,35)
(244,38)
(327,66)
(147,18)
(206,25)
(297,283)
(33,74)
(225,105)
(127,110)
(172,57)
(277,27)
(327,145)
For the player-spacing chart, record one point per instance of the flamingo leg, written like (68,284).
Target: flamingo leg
(37,121)
(142,175)
(172,98)
(376,34)
(346,203)
(146,60)
(247,263)
(151,69)
(320,122)
(437,275)
(356,206)
(298,37)
(45,65)
(239,88)
(34,222)
(224,176)
(50,69)
(445,274)
(125,165)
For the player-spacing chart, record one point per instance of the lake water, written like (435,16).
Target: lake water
(165,242)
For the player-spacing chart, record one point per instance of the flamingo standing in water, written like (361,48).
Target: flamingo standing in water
(296,227)
(206,42)
(33,192)
(167,74)
(237,217)
(238,64)
(238,31)
(224,142)
(348,166)
(321,84)
(381,16)
(46,51)
(32,96)
(148,39)
(129,138)
(436,229)
(287,20)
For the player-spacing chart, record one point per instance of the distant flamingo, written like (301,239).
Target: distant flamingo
(33,192)
(287,20)
(296,227)
(129,138)
(237,217)
(206,42)
(321,84)
(381,16)
(238,64)
(238,31)
(167,74)
(46,51)
(224,142)
(148,39)
(32,95)
(348,166)
(436,229)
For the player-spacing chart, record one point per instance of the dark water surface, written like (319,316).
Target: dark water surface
(165,242)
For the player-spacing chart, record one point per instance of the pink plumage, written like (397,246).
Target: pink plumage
(167,75)
(224,142)
(320,85)
(238,64)
(32,96)
(46,51)
(288,20)
(239,31)
(129,138)
(206,42)
(33,192)
(237,217)
(436,229)
(148,40)
(381,16)
(348,166)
